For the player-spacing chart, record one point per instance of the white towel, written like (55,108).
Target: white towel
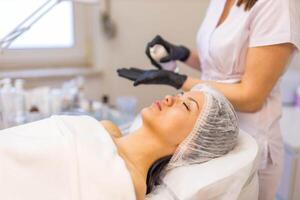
(62,158)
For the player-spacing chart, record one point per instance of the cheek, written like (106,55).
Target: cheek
(172,125)
(183,130)
(146,116)
(151,119)
(178,124)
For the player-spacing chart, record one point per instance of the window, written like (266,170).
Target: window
(54,30)
(57,39)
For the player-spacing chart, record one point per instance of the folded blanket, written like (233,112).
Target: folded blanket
(62,158)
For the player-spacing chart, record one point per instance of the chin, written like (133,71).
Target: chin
(148,116)
(145,113)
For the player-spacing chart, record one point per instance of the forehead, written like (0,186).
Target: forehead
(195,94)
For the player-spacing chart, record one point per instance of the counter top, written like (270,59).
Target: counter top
(290,126)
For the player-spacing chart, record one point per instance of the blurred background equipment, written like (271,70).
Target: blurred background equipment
(19,106)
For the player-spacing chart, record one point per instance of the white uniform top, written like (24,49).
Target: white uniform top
(223,51)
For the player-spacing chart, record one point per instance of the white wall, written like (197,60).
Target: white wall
(138,22)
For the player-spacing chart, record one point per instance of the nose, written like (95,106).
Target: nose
(169,100)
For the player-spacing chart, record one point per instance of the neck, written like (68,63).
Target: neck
(142,148)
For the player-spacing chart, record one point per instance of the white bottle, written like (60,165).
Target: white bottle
(82,102)
(158,52)
(56,98)
(20,110)
(105,110)
(7,100)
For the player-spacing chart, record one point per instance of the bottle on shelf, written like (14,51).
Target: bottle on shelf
(19,101)
(105,110)
(7,100)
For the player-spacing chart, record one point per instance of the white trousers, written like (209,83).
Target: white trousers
(269,177)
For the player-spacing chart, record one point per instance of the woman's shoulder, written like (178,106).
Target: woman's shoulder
(267,12)
(111,128)
(273,4)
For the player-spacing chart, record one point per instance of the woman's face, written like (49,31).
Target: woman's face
(173,117)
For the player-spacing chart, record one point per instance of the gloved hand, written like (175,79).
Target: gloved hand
(131,73)
(175,52)
(158,77)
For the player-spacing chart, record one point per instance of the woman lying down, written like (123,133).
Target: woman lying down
(78,158)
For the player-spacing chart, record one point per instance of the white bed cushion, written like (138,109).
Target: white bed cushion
(219,178)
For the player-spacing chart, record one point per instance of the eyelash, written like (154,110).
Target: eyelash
(186,106)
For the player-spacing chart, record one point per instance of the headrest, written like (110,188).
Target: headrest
(218,177)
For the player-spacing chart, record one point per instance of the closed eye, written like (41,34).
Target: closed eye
(186,106)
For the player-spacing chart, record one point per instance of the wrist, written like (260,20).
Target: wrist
(189,83)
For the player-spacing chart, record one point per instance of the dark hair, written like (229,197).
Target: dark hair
(155,171)
(248,3)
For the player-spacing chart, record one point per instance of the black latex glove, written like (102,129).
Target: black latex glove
(131,73)
(157,77)
(175,52)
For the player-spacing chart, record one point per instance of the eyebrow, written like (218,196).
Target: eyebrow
(191,99)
